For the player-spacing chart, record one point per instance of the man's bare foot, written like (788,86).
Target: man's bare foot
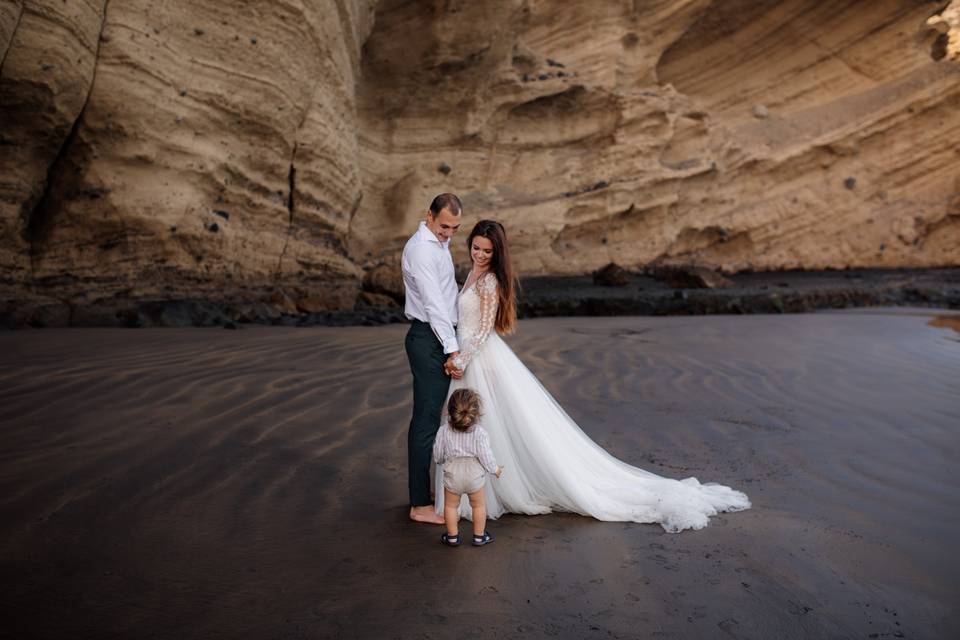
(426,514)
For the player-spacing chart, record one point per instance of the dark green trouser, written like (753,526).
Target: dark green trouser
(430,386)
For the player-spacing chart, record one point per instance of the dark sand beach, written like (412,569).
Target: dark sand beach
(204,483)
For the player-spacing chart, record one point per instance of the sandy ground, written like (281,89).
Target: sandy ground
(205,483)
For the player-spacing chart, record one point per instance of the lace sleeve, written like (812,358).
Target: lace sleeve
(486,289)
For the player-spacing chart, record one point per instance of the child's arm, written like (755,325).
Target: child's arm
(485,453)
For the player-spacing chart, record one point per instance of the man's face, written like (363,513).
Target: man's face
(443,225)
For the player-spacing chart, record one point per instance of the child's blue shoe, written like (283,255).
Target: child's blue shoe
(450,541)
(479,541)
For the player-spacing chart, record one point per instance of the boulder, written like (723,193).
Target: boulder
(684,276)
(612,275)
(283,303)
(370,299)
(386,280)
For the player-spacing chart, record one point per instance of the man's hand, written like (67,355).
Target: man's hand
(451,369)
(499,471)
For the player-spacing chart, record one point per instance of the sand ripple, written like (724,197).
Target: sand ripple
(209,482)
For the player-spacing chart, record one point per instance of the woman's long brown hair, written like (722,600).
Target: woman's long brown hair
(502,267)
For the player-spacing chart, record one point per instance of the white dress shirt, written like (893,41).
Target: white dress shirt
(431,285)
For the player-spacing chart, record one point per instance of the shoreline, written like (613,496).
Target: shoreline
(540,297)
(764,292)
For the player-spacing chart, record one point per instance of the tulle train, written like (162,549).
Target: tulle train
(552,465)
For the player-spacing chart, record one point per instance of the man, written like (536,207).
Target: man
(431,305)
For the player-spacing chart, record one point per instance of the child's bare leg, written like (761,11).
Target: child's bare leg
(478,502)
(451,511)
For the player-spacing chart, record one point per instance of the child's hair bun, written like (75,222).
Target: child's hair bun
(464,409)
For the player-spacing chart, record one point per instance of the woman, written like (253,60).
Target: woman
(549,462)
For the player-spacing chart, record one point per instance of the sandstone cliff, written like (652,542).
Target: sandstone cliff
(234,150)
(180,151)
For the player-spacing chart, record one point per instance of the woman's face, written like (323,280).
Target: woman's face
(481,252)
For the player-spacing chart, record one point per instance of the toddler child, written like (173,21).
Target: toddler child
(463,448)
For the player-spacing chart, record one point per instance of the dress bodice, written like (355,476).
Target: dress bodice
(477,312)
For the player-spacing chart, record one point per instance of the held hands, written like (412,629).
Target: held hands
(451,369)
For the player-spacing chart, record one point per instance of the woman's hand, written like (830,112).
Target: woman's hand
(451,369)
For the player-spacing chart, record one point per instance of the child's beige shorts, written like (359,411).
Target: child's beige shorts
(463,475)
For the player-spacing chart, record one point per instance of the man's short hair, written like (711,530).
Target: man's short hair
(446,201)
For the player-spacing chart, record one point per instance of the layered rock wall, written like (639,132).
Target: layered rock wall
(234,150)
(743,135)
(171,150)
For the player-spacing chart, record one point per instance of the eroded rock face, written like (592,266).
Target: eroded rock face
(49,52)
(738,134)
(947,24)
(213,150)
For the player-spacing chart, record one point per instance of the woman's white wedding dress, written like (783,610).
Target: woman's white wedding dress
(549,462)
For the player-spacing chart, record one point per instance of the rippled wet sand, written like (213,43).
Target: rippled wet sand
(211,483)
